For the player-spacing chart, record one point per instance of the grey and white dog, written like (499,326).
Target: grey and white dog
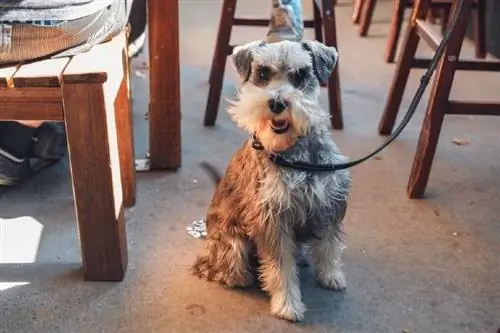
(265,216)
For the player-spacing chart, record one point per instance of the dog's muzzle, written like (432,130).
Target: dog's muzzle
(277,106)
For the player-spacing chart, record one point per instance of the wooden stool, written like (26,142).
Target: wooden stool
(90,93)
(363,14)
(324,19)
(439,103)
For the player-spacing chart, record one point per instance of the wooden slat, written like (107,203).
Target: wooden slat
(473,108)
(96,65)
(6,75)
(463,65)
(44,73)
(31,104)
(427,33)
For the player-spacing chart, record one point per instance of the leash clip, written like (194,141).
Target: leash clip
(256,143)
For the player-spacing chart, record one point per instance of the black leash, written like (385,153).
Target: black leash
(424,82)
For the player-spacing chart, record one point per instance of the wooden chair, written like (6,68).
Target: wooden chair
(324,19)
(439,103)
(364,9)
(90,93)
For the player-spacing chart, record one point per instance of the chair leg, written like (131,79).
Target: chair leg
(403,67)
(396,24)
(334,97)
(480,29)
(219,61)
(318,22)
(356,11)
(210,76)
(366,16)
(95,170)
(439,99)
(445,17)
(432,15)
(125,134)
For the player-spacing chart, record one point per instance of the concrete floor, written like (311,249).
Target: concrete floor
(424,266)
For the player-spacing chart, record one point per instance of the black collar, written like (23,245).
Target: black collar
(297,165)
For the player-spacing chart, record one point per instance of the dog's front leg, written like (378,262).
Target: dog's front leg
(280,276)
(327,252)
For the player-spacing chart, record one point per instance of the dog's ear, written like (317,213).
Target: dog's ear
(243,58)
(324,58)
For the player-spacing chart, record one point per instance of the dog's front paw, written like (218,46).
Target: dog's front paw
(201,268)
(334,279)
(288,309)
(234,280)
(204,269)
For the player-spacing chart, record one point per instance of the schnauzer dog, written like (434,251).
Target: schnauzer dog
(264,216)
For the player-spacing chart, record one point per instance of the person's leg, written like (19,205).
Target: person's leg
(137,21)
(286,21)
(28,146)
(24,140)
(15,142)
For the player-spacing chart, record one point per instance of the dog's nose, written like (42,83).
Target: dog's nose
(277,105)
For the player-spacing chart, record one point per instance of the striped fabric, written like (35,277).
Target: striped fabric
(39,23)
(36,39)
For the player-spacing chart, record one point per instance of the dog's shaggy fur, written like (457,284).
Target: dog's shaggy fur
(266,212)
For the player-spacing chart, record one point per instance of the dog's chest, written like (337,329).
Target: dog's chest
(299,196)
(305,200)
(309,193)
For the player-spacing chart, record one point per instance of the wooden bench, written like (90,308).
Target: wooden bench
(90,93)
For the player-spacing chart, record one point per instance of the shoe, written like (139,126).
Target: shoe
(136,46)
(49,142)
(12,169)
(48,147)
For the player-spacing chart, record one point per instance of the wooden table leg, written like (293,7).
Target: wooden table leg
(125,134)
(95,172)
(164,85)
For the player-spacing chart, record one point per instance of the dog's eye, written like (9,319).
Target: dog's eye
(298,77)
(263,74)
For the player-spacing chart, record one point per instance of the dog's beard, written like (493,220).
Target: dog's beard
(251,113)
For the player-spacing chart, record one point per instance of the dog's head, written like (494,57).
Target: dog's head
(278,97)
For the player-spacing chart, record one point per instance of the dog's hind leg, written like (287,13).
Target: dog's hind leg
(225,259)
(279,275)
